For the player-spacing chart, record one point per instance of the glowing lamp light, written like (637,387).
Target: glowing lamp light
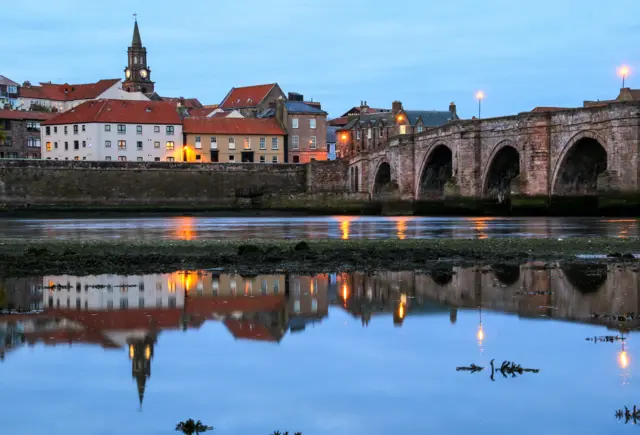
(131,351)
(344,136)
(624,71)
(400,118)
(623,359)
(147,352)
(480,95)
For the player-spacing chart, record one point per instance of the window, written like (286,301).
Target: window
(66,129)
(232,143)
(156,129)
(84,128)
(66,146)
(312,142)
(138,129)
(263,159)
(108,158)
(276,287)
(198,142)
(312,123)
(403,129)
(47,130)
(122,129)
(294,123)
(122,144)
(156,159)
(274,159)
(214,143)
(12,89)
(124,304)
(122,158)
(358,134)
(247,143)
(139,159)
(263,287)
(76,158)
(420,128)
(198,157)
(232,158)
(75,129)
(170,130)
(33,126)
(296,159)
(274,143)
(33,142)
(139,145)
(170,159)
(107,144)
(171,145)
(55,129)
(381,131)
(369,133)
(156,144)
(107,127)
(55,145)
(48,146)
(76,145)
(295,142)
(84,158)
(84,144)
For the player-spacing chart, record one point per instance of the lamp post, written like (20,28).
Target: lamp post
(623,72)
(479,97)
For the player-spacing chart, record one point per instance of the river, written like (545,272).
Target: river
(344,227)
(342,353)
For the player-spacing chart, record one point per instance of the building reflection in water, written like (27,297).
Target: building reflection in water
(480,225)
(345,225)
(184,228)
(131,312)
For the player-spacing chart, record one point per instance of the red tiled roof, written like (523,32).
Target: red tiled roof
(124,111)
(23,114)
(248,96)
(201,111)
(140,318)
(189,103)
(215,125)
(67,92)
(249,330)
(338,122)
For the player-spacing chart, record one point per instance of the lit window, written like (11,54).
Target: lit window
(156,129)
(247,143)
(139,145)
(48,146)
(312,142)
(263,143)
(263,159)
(122,129)
(170,130)
(403,129)
(122,144)
(156,144)
(294,122)
(170,145)
(274,143)
(138,129)
(274,159)
(214,143)
(232,143)
(198,142)
(122,158)
(295,142)
(107,127)
(312,123)
(107,144)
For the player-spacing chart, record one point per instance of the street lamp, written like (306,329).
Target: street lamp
(623,72)
(480,96)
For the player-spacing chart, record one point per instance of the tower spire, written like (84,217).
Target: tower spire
(137,41)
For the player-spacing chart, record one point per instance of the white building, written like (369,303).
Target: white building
(64,97)
(110,130)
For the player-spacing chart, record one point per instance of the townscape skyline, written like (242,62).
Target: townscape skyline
(521,56)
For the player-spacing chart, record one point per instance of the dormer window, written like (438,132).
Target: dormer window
(249,100)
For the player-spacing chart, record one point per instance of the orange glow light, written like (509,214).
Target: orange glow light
(184,228)
(344,136)
(401,311)
(624,71)
(400,118)
(480,334)
(131,351)
(480,95)
(345,291)
(623,359)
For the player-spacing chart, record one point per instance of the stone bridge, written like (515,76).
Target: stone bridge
(568,152)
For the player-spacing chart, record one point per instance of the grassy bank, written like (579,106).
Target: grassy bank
(151,256)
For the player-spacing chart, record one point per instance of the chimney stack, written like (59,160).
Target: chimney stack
(396,107)
(363,107)
(453,110)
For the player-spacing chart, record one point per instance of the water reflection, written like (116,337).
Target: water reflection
(132,313)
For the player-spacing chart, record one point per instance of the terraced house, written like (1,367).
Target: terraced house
(20,133)
(234,140)
(110,130)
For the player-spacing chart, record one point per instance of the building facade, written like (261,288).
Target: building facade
(137,73)
(20,134)
(9,93)
(234,140)
(307,129)
(110,130)
(252,100)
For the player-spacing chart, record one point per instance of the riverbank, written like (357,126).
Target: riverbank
(314,256)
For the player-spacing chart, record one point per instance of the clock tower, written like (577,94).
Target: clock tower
(137,73)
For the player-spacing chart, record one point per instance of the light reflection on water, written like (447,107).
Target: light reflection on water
(343,227)
(347,353)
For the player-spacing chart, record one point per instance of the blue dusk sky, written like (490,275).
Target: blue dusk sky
(424,53)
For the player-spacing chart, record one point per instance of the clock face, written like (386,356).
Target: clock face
(127,73)
(143,73)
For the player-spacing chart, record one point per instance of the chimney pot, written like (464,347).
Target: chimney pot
(396,107)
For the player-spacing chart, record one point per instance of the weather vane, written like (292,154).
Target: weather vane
(135,16)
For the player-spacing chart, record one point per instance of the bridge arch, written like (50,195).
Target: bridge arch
(502,168)
(382,179)
(581,161)
(436,171)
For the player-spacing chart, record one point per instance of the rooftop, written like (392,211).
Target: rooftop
(7,82)
(215,125)
(67,92)
(248,96)
(123,111)
(300,107)
(26,115)
(189,103)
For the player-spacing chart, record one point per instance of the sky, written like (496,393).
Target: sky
(522,54)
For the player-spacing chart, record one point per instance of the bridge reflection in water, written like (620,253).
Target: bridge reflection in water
(130,312)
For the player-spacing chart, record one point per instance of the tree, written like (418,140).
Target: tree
(190,427)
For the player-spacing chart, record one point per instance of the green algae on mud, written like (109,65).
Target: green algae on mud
(154,256)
